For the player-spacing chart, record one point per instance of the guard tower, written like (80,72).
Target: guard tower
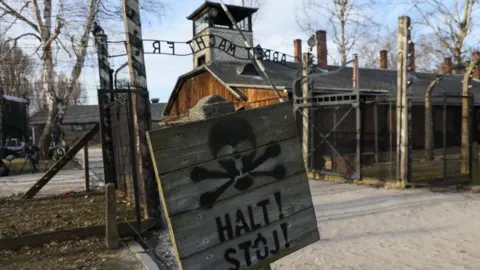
(211,19)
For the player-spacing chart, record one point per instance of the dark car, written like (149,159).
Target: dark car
(13,147)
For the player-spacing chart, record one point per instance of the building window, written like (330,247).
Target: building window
(245,25)
(201,24)
(78,127)
(201,60)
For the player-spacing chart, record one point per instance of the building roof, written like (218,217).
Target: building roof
(84,114)
(377,80)
(12,98)
(238,12)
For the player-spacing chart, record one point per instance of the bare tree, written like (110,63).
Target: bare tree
(46,26)
(37,97)
(348,21)
(61,25)
(369,48)
(61,85)
(451,24)
(428,56)
(16,70)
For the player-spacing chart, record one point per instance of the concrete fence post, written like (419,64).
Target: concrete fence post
(475,165)
(111,229)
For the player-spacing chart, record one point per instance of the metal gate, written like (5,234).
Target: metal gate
(119,142)
(334,127)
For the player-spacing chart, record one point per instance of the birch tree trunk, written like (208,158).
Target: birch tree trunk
(429,138)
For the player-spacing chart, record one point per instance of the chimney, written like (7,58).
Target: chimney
(384,59)
(155,100)
(322,48)
(447,65)
(297,50)
(476,57)
(355,78)
(411,57)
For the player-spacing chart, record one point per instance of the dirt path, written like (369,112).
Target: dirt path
(87,253)
(368,228)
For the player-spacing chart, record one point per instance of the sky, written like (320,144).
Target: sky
(275,27)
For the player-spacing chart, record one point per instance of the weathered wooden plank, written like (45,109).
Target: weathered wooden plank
(197,142)
(33,240)
(276,240)
(258,208)
(187,189)
(59,164)
(234,188)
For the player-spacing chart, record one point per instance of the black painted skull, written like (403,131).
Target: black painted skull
(227,138)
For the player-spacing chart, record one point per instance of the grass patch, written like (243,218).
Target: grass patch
(18,166)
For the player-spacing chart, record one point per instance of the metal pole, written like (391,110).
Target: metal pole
(466,117)
(358,120)
(133,159)
(248,45)
(116,73)
(390,127)
(444,126)
(375,128)
(471,135)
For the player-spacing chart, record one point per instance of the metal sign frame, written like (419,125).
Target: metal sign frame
(203,42)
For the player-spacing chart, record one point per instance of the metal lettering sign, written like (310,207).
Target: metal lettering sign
(216,42)
(235,190)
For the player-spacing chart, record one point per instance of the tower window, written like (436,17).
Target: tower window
(201,24)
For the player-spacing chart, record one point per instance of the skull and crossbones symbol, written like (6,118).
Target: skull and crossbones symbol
(240,169)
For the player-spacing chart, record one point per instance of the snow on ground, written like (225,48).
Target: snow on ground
(368,228)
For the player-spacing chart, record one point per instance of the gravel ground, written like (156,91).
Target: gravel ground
(87,253)
(369,228)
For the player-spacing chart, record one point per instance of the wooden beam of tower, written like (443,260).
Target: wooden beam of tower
(404,162)
(306,112)
(141,107)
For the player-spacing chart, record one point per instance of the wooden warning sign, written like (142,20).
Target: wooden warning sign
(234,188)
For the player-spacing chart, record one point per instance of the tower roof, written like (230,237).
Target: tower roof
(238,12)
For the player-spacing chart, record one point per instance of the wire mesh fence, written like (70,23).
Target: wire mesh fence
(119,148)
(435,139)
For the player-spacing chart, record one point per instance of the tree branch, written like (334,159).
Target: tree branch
(9,10)
(15,40)
(434,29)
(15,20)
(59,42)
(77,69)
(38,18)
(58,28)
